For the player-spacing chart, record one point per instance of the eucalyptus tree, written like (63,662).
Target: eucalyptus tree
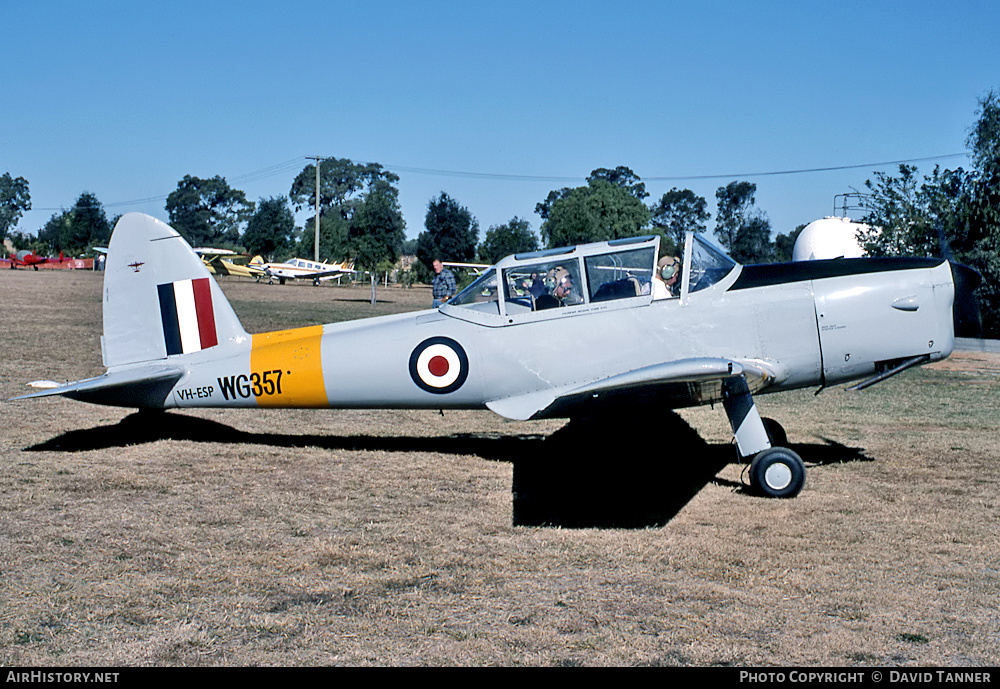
(14,201)
(208,212)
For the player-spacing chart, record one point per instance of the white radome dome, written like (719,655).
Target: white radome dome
(830,237)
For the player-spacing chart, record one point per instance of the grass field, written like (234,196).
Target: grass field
(234,537)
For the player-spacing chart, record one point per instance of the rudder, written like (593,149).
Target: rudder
(159,299)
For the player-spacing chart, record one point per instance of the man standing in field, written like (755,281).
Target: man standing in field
(443,288)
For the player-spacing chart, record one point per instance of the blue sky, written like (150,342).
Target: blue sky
(124,99)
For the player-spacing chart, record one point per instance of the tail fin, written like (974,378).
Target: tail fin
(256,261)
(159,299)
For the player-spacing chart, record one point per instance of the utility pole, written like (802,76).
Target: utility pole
(316,242)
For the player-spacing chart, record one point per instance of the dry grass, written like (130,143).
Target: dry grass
(388,537)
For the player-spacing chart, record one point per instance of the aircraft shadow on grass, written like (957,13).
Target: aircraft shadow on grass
(606,473)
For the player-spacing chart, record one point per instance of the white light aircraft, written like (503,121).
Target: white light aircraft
(303,269)
(574,332)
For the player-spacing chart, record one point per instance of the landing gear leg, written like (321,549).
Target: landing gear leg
(775,472)
(748,428)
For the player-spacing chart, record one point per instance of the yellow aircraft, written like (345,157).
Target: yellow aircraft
(218,265)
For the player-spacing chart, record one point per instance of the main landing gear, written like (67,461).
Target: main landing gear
(775,470)
(777,473)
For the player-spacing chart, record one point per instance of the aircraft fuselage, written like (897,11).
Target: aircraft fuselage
(805,331)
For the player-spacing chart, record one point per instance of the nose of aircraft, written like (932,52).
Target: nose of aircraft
(968,322)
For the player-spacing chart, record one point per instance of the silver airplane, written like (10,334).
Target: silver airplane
(562,333)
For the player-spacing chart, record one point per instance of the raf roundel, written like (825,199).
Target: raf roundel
(439,365)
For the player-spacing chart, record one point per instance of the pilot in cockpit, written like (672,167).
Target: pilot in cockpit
(560,290)
(565,290)
(666,279)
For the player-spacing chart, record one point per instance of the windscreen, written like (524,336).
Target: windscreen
(709,264)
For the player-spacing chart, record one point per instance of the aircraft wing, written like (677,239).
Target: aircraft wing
(670,385)
(217,265)
(477,267)
(229,268)
(320,274)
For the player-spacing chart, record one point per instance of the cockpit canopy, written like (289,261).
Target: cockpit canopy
(585,274)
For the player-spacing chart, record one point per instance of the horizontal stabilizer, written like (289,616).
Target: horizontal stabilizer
(144,387)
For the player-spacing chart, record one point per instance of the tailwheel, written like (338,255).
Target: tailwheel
(777,473)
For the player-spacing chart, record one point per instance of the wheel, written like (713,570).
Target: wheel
(777,473)
(775,433)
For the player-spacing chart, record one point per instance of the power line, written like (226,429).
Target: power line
(270,171)
(295,163)
(675,178)
(807,170)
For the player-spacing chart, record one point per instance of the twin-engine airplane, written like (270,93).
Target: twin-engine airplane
(302,269)
(561,333)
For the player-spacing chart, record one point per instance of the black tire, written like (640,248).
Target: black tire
(775,432)
(777,473)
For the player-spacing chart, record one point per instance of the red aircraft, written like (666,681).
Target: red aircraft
(26,259)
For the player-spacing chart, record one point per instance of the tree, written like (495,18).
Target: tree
(677,212)
(89,224)
(14,200)
(208,212)
(78,229)
(503,240)
(26,241)
(752,243)
(621,176)
(271,229)
(984,138)
(343,186)
(54,230)
(596,212)
(451,232)
(784,244)
(952,213)
(545,207)
(982,249)
(377,230)
(333,231)
(898,223)
(735,200)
